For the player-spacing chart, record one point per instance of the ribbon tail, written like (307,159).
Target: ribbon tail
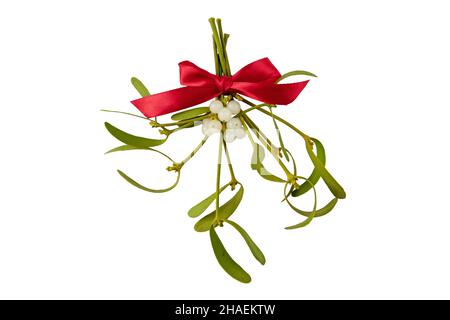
(173,100)
(271,93)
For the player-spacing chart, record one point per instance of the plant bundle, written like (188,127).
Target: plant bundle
(229,115)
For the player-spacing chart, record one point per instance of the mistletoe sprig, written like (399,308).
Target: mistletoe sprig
(226,117)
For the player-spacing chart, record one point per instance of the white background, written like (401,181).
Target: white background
(70,227)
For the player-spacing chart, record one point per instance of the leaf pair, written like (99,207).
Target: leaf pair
(334,186)
(226,261)
(315,175)
(319,159)
(309,184)
(200,207)
(225,210)
(309,214)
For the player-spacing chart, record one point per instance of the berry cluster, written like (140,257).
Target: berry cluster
(223,117)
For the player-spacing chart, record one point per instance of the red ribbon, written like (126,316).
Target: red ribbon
(256,80)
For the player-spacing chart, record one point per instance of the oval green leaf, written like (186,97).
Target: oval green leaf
(334,186)
(296,73)
(315,175)
(257,253)
(125,113)
(200,207)
(128,147)
(226,262)
(309,218)
(140,87)
(123,148)
(319,212)
(189,114)
(132,140)
(138,185)
(225,211)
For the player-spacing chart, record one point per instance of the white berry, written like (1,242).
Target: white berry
(216,124)
(210,131)
(225,115)
(239,133)
(205,125)
(234,123)
(234,106)
(229,135)
(216,106)
(211,127)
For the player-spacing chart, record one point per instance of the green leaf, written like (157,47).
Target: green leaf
(296,73)
(128,148)
(226,262)
(225,211)
(200,207)
(132,140)
(123,148)
(140,87)
(257,253)
(310,217)
(138,185)
(335,188)
(319,212)
(191,113)
(256,164)
(315,175)
(126,113)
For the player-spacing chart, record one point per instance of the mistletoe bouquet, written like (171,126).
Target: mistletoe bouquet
(229,116)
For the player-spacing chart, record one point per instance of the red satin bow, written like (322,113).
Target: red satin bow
(256,80)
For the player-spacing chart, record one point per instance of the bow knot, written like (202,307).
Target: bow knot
(257,80)
(224,83)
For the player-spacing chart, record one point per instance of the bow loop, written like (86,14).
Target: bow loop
(258,71)
(193,76)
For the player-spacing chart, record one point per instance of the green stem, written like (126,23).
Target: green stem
(186,125)
(222,41)
(192,154)
(218,44)
(258,131)
(216,59)
(268,145)
(225,40)
(247,131)
(219,164)
(233,181)
(304,136)
(257,107)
